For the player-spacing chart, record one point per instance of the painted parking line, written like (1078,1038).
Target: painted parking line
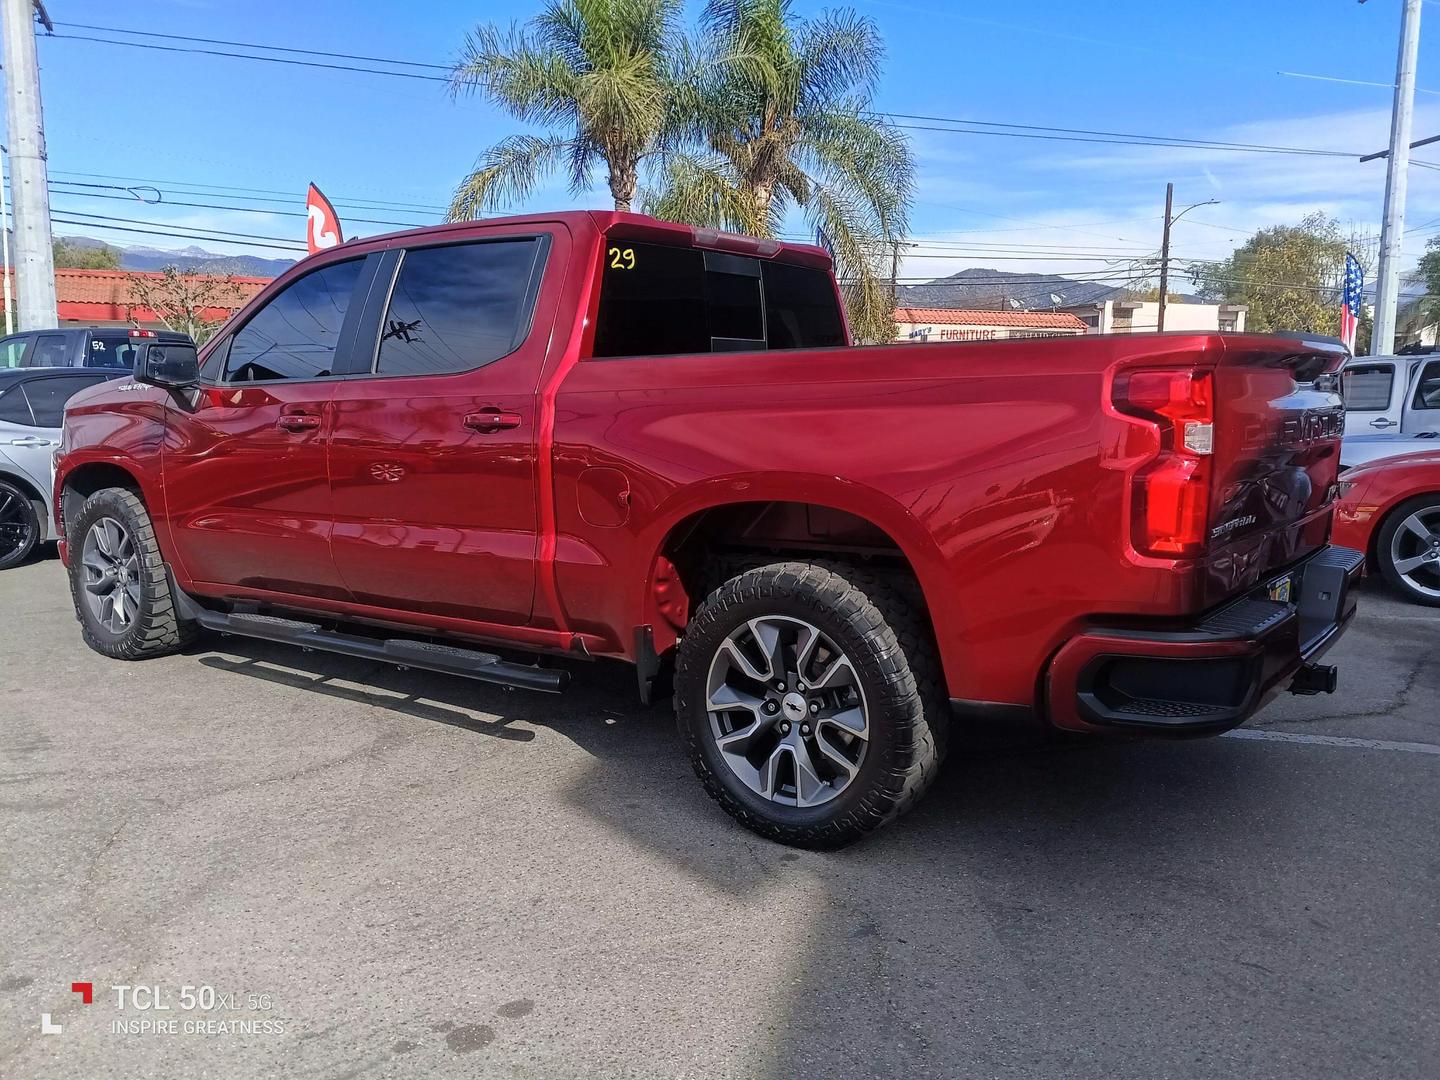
(1334,740)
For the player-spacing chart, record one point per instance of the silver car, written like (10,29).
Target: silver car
(32,409)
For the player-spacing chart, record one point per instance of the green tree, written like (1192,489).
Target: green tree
(1289,275)
(181,298)
(595,72)
(777,111)
(72,256)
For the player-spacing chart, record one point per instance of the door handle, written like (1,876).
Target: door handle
(31,440)
(298,422)
(488,421)
(1382,423)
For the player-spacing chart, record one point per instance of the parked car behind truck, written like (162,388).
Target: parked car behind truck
(112,348)
(601,435)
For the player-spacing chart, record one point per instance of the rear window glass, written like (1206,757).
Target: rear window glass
(657,300)
(801,311)
(652,301)
(112,351)
(1367,389)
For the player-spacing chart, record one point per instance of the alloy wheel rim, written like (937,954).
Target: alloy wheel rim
(15,524)
(1415,551)
(111,566)
(787,711)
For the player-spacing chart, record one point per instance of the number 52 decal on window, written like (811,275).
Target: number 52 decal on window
(622,260)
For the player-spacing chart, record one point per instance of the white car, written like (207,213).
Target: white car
(1392,407)
(32,409)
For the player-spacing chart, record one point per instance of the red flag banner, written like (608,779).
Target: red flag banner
(322,227)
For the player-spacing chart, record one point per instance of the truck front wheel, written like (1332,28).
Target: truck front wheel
(118,580)
(810,702)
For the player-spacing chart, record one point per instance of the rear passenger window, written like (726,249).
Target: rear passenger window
(458,307)
(1427,392)
(295,334)
(657,300)
(49,351)
(1367,389)
(48,396)
(14,409)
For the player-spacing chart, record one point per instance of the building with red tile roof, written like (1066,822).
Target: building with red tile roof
(107,297)
(957,324)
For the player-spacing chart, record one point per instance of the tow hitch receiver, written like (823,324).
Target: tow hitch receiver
(1314,679)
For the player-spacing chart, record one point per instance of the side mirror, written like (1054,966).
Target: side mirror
(172,366)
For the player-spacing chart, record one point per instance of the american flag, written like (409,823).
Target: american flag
(1350,301)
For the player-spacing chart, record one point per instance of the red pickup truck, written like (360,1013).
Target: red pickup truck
(601,435)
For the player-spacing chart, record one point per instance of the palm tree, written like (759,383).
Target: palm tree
(597,70)
(779,118)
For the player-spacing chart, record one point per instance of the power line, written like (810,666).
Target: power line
(161,232)
(1206,144)
(958,125)
(151,47)
(250,45)
(211,234)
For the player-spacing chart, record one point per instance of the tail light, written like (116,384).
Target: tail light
(1171,494)
(143,333)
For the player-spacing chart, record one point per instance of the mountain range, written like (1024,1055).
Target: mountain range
(189,258)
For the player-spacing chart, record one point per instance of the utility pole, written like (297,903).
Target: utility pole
(5,249)
(1397,174)
(29,182)
(1165,257)
(895,270)
(1170,219)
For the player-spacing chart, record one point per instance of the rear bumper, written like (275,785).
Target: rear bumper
(1214,675)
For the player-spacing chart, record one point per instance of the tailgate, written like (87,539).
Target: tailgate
(1276,457)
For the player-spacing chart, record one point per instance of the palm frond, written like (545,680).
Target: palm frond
(860,264)
(847,147)
(703,191)
(509,171)
(840,53)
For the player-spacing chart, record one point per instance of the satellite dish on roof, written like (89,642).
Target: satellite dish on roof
(1016,304)
(1056,298)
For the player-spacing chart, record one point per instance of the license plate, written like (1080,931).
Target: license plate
(1281,590)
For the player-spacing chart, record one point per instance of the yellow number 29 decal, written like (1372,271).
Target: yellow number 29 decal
(622,260)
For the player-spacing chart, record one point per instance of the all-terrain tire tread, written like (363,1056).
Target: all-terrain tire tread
(913,695)
(161,631)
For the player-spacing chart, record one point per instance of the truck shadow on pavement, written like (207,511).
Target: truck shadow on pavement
(1092,910)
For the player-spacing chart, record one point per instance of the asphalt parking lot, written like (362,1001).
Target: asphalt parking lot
(433,877)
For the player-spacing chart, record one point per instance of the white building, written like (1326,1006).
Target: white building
(1139,316)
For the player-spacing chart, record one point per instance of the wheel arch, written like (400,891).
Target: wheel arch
(83,479)
(758,519)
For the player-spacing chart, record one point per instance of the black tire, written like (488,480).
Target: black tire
(20,526)
(890,646)
(1384,547)
(155,629)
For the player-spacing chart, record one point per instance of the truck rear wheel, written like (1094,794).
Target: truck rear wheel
(1407,549)
(810,702)
(118,580)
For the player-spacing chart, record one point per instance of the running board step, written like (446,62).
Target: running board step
(446,659)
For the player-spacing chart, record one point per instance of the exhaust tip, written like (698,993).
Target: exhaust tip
(1315,679)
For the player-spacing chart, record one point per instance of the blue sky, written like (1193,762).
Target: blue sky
(194,123)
